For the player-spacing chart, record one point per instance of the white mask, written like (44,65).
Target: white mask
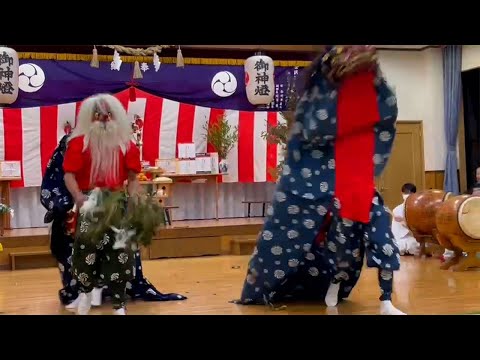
(405,196)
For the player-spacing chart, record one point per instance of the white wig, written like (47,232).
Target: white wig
(104,139)
(87,113)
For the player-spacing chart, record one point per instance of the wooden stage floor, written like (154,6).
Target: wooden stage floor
(211,282)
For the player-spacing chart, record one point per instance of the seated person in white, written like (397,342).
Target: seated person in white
(407,243)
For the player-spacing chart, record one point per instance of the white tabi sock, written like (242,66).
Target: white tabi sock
(97,296)
(120,311)
(331,299)
(73,305)
(84,304)
(387,308)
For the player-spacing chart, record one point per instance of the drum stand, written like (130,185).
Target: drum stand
(428,252)
(445,242)
(467,262)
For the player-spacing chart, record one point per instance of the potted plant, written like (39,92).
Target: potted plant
(278,134)
(222,136)
(4,210)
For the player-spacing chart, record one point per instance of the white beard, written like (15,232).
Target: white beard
(105,143)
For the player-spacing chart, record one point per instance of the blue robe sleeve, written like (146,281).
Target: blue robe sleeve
(385,129)
(54,195)
(315,116)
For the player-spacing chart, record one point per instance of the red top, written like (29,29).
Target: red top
(78,162)
(357,113)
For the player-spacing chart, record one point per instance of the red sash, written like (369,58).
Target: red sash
(322,234)
(71,223)
(357,113)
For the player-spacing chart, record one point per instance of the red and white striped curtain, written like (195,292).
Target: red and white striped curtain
(31,134)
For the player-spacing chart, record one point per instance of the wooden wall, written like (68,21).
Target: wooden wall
(434,179)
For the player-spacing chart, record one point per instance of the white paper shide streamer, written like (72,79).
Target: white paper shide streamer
(117,61)
(156,62)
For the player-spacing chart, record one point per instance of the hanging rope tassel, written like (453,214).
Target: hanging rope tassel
(132,94)
(137,74)
(95,63)
(180,61)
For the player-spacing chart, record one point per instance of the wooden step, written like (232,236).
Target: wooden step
(243,244)
(16,254)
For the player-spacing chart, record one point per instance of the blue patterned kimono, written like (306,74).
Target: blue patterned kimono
(56,198)
(287,262)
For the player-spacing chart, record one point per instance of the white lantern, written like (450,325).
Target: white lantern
(8,75)
(259,80)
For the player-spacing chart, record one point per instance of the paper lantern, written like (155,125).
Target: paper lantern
(259,80)
(8,75)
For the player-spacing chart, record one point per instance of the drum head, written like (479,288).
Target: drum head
(447,196)
(469,217)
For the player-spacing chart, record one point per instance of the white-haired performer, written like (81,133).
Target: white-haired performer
(101,154)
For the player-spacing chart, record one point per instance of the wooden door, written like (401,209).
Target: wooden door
(406,164)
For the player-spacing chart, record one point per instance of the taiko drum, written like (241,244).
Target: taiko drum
(420,210)
(458,220)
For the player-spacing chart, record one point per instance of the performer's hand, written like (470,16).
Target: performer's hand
(133,186)
(398,218)
(80,199)
(133,199)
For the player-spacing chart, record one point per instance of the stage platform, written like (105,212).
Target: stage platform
(30,247)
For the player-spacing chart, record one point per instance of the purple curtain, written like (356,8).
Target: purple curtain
(71,81)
